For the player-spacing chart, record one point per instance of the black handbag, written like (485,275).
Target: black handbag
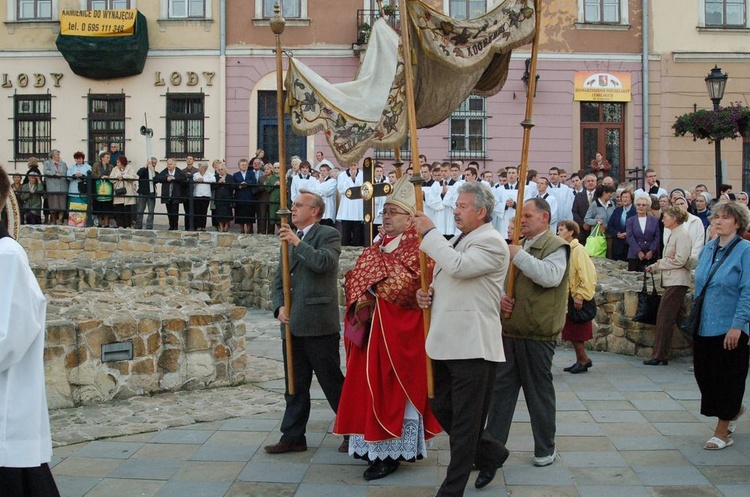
(121,191)
(82,187)
(648,303)
(583,315)
(692,323)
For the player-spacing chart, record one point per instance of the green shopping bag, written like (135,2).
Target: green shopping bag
(596,243)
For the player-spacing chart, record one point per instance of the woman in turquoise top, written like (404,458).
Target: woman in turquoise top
(721,353)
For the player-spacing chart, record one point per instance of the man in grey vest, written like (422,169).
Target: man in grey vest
(537,315)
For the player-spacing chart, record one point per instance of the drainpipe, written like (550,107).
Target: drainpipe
(646,88)
(222,78)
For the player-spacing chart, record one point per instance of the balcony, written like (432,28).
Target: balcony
(365,21)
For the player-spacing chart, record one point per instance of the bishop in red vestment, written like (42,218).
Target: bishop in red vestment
(384,405)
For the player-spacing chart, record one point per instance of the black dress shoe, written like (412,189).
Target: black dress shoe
(485,477)
(283,448)
(655,362)
(570,367)
(579,368)
(380,469)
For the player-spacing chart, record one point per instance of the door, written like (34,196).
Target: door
(268,137)
(603,130)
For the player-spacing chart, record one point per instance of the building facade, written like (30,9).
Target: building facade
(179,94)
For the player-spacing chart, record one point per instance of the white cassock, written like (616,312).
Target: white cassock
(498,214)
(25,440)
(427,207)
(450,199)
(349,210)
(554,211)
(511,192)
(564,195)
(327,190)
(300,182)
(433,199)
(379,206)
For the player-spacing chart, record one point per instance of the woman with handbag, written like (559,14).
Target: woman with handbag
(643,235)
(720,348)
(599,212)
(675,279)
(581,304)
(123,176)
(617,225)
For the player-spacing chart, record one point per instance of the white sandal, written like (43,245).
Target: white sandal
(733,423)
(718,443)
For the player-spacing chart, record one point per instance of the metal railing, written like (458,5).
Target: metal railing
(97,204)
(366,19)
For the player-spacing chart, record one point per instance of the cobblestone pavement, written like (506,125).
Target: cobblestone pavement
(623,429)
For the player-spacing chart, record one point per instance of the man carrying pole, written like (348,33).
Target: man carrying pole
(314,313)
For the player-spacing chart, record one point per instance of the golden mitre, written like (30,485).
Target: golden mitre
(403,195)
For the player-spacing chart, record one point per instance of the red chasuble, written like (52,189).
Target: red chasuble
(389,368)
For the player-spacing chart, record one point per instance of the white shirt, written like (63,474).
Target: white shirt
(203,189)
(25,439)
(326,189)
(349,210)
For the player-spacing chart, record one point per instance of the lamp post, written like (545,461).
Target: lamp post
(716,82)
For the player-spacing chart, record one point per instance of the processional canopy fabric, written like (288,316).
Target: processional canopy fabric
(454,59)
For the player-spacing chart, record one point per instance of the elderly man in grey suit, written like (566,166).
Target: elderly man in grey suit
(465,339)
(314,252)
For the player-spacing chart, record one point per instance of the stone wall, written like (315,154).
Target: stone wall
(180,296)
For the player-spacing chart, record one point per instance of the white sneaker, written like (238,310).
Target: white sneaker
(541,462)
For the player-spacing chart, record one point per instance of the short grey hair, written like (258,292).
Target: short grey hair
(541,205)
(483,197)
(317,202)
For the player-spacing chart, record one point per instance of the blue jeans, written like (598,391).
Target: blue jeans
(140,207)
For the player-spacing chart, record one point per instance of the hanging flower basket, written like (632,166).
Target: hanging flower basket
(712,125)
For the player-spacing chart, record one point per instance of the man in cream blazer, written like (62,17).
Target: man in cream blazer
(465,339)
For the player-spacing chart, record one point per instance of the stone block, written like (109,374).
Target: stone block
(237,313)
(171,339)
(56,381)
(87,325)
(630,304)
(144,366)
(200,366)
(170,381)
(153,342)
(621,345)
(148,325)
(169,361)
(139,347)
(125,328)
(61,332)
(221,352)
(239,363)
(196,339)
(52,352)
(97,337)
(122,367)
(200,319)
(76,357)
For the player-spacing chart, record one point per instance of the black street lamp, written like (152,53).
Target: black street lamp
(716,82)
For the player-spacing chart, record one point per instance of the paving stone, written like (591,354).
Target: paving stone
(618,417)
(612,491)
(182,437)
(261,489)
(636,443)
(209,471)
(249,424)
(217,452)
(109,450)
(118,487)
(659,476)
(75,486)
(178,452)
(329,490)
(604,477)
(84,466)
(146,469)
(273,472)
(593,459)
(176,488)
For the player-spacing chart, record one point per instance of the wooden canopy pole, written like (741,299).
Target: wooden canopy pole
(412,118)
(527,124)
(278,23)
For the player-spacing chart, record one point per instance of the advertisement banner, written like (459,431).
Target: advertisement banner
(602,87)
(98,22)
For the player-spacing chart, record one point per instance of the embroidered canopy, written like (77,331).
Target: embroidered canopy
(454,58)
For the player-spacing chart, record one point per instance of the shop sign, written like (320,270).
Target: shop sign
(98,22)
(602,87)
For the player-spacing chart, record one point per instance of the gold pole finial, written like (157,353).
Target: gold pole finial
(278,23)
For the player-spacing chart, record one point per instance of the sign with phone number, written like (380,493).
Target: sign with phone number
(98,22)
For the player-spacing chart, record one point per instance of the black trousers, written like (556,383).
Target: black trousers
(352,233)
(463,391)
(173,213)
(319,355)
(28,482)
(201,208)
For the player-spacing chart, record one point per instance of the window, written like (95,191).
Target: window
(106,123)
(289,8)
(268,129)
(185,130)
(187,9)
(108,4)
(32,123)
(725,13)
(468,134)
(34,10)
(603,130)
(405,151)
(602,11)
(467,9)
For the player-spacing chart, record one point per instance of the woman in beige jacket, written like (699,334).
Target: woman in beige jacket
(675,279)
(124,179)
